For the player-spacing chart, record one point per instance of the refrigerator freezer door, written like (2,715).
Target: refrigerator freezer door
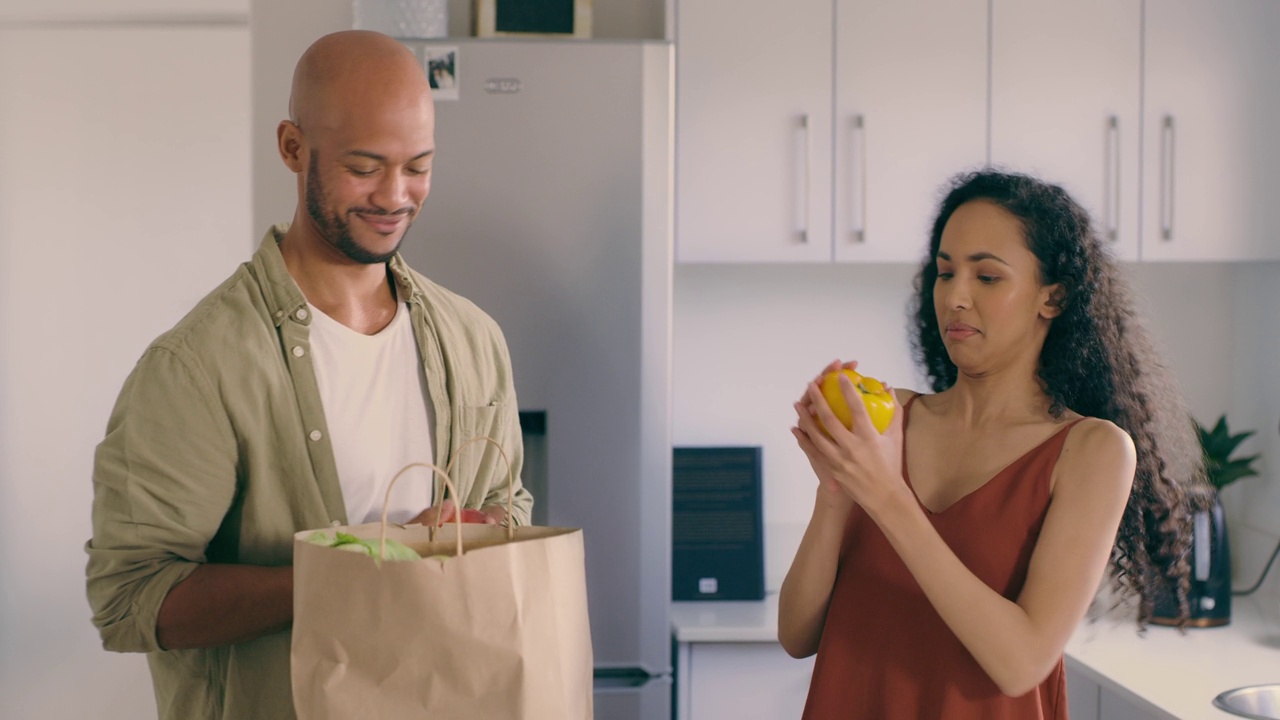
(550,208)
(648,701)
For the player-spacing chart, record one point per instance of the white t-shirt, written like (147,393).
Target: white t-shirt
(373,389)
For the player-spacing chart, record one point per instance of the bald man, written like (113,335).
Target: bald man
(288,398)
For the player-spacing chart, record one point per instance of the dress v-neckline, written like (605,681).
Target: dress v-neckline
(906,474)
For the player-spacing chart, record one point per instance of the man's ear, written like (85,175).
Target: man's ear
(1053,300)
(291,144)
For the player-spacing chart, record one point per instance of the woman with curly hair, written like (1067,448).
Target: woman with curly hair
(948,560)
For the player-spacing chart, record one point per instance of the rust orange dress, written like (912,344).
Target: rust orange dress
(886,654)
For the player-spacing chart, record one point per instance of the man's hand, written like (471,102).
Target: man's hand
(497,514)
(445,513)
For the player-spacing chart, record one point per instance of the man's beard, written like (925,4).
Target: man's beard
(336,229)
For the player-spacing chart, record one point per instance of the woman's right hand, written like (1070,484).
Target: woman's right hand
(806,590)
(830,493)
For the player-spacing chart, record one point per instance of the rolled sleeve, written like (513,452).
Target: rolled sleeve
(521,499)
(164,478)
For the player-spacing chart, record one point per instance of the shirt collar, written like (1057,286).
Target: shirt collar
(284,297)
(407,289)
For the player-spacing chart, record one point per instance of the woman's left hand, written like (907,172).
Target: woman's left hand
(867,464)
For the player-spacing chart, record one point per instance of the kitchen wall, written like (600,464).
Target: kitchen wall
(1253,504)
(124,198)
(747,338)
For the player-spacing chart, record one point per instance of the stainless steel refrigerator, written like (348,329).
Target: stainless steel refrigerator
(551,209)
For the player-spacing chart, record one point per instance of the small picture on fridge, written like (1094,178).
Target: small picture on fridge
(441,64)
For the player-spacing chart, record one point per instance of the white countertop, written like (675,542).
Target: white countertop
(1181,673)
(1177,673)
(726,621)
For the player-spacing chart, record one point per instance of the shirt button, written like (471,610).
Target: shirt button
(302,314)
(279,314)
(316,435)
(298,351)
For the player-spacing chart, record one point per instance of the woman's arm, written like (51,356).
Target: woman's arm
(806,590)
(1017,643)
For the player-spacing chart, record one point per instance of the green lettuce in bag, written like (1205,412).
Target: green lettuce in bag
(351,543)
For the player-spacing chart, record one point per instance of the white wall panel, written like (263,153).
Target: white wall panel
(124,199)
(748,338)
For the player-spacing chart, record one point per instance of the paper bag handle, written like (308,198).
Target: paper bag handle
(511,530)
(386,503)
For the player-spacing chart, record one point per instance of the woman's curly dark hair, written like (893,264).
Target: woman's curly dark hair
(1098,361)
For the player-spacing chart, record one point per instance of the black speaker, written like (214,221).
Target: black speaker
(717,529)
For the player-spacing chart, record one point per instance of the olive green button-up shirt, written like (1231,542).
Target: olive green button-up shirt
(218,451)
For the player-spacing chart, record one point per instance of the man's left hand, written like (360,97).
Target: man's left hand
(445,513)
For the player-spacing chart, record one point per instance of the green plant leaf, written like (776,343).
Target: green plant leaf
(1213,440)
(1229,446)
(1237,469)
(1218,445)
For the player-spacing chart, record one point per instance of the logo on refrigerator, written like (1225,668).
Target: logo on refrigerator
(502,86)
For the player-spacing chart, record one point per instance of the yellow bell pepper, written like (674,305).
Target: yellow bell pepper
(878,400)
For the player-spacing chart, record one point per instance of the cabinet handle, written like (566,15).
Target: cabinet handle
(858,169)
(1168,142)
(802,185)
(1113,178)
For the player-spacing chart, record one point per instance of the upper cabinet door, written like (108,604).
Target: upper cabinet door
(753,119)
(1065,104)
(1211,137)
(911,112)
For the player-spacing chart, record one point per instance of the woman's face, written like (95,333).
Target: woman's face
(992,311)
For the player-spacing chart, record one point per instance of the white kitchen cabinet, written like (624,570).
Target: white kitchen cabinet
(1066,101)
(753,128)
(723,680)
(1082,693)
(895,94)
(1091,699)
(1211,137)
(910,113)
(1119,705)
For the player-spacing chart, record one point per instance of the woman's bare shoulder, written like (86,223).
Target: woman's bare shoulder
(902,395)
(1098,434)
(1098,450)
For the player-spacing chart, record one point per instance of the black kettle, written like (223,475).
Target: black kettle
(1210,594)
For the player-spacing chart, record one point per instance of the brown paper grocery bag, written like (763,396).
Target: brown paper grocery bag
(498,631)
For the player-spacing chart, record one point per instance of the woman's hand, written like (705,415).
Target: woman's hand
(806,591)
(830,493)
(863,464)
